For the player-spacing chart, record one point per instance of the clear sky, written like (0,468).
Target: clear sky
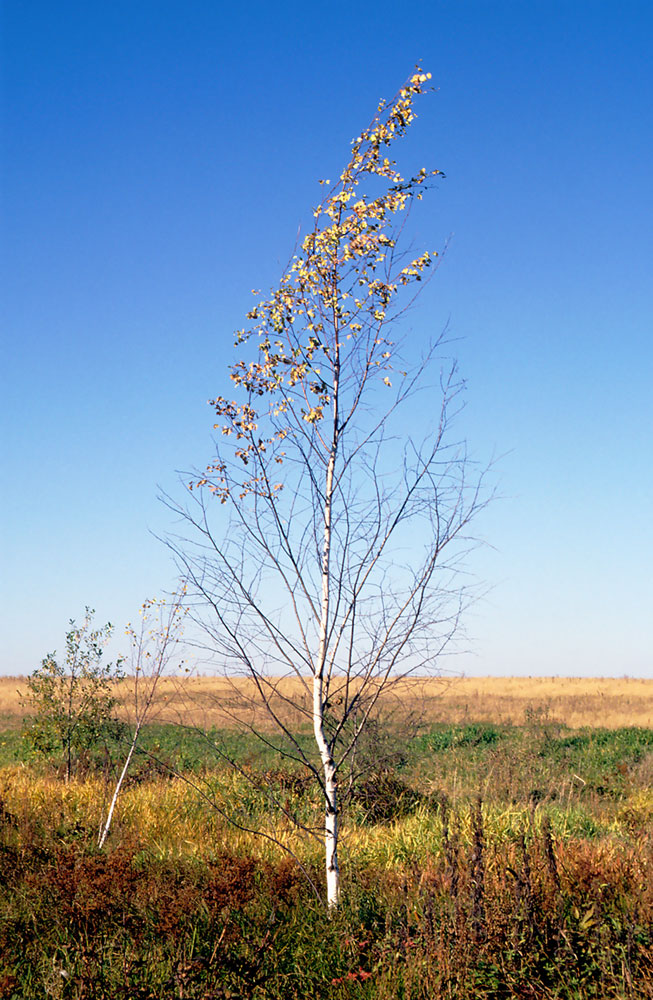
(158,158)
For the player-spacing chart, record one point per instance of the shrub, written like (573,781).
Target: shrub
(72,703)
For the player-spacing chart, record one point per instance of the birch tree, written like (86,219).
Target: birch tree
(328,529)
(154,642)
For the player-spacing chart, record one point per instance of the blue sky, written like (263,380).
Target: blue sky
(158,160)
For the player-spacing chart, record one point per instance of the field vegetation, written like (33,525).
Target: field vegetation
(574,701)
(489,859)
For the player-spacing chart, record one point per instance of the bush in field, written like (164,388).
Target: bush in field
(71,724)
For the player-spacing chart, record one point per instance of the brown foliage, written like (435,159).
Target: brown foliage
(87,889)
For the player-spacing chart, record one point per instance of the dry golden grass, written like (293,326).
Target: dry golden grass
(172,818)
(574,701)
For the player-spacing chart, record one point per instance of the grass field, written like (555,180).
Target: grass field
(573,701)
(503,851)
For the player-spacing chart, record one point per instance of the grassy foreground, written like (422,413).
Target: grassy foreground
(491,861)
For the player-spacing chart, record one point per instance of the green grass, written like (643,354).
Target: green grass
(517,764)
(594,754)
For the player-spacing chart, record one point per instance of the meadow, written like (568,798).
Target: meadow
(574,701)
(502,849)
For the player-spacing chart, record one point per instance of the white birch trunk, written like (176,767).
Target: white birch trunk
(331,836)
(104,833)
(328,765)
(331,799)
